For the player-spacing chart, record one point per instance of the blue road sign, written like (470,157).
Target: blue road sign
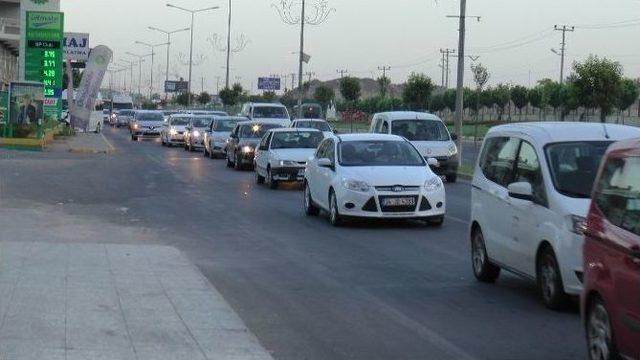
(271,84)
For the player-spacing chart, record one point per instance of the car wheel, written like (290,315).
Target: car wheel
(310,209)
(259,178)
(186,147)
(334,214)
(162,142)
(134,138)
(550,280)
(273,184)
(483,269)
(600,343)
(452,178)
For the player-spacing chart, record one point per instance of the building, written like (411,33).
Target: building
(9,41)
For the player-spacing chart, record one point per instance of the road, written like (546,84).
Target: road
(307,290)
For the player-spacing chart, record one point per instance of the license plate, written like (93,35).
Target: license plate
(398,202)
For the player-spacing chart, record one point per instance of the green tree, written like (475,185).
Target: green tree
(231,97)
(183,98)
(569,99)
(501,98)
(350,89)
(416,91)
(269,96)
(552,94)
(536,98)
(204,98)
(628,94)
(519,97)
(450,99)
(324,94)
(436,103)
(598,84)
(480,77)
(383,84)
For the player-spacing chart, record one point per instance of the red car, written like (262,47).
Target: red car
(611,297)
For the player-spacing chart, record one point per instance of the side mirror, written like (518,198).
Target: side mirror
(454,137)
(335,131)
(521,190)
(326,163)
(433,162)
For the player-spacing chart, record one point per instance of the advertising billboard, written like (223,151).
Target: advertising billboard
(76,46)
(270,84)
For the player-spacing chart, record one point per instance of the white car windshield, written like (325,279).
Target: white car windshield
(320,125)
(420,130)
(296,140)
(269,112)
(149,117)
(225,125)
(574,166)
(180,121)
(379,153)
(203,122)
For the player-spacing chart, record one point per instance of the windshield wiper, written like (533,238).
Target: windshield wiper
(574,194)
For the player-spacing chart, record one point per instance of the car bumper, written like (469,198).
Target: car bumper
(288,173)
(176,139)
(371,204)
(146,133)
(247,158)
(446,166)
(197,143)
(569,254)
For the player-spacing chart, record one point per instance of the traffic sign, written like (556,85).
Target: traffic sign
(270,84)
(173,86)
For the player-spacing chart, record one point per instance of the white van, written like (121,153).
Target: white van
(530,195)
(266,112)
(427,133)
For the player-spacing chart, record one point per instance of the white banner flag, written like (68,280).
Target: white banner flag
(90,84)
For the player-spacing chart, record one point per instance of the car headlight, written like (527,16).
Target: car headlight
(288,163)
(247,149)
(577,224)
(452,150)
(433,184)
(173,131)
(355,185)
(196,133)
(135,126)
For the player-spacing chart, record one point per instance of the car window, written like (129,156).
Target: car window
(528,169)
(379,153)
(151,116)
(385,128)
(296,140)
(618,193)
(322,149)
(180,121)
(265,141)
(269,112)
(498,159)
(330,152)
(420,130)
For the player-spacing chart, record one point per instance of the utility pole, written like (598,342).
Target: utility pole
(309,74)
(446,54)
(293,81)
(384,70)
(460,84)
(342,73)
(563,48)
(217,84)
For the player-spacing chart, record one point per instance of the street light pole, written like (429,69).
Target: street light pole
(168,33)
(193,14)
(140,61)
(228,46)
(301,60)
(153,55)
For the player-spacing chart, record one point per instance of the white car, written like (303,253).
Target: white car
(194,135)
(318,124)
(215,138)
(267,113)
(530,195)
(372,176)
(283,154)
(173,129)
(427,133)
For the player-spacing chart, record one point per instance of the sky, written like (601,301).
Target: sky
(513,38)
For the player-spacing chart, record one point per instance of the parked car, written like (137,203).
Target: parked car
(174,128)
(194,134)
(267,112)
(283,153)
(215,138)
(123,117)
(318,124)
(530,195)
(146,123)
(243,141)
(611,296)
(427,133)
(372,176)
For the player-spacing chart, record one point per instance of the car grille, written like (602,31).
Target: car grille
(395,188)
(392,209)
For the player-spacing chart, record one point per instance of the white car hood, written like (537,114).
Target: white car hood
(297,155)
(179,127)
(388,175)
(432,148)
(574,206)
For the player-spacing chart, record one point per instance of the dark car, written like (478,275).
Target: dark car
(242,143)
(611,297)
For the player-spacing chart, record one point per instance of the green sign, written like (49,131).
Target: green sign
(44,57)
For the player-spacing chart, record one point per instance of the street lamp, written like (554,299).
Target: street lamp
(153,55)
(140,61)
(168,33)
(193,14)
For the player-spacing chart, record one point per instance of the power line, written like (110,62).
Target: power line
(384,70)
(342,72)
(446,53)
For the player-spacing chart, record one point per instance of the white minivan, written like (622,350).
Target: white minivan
(267,113)
(530,195)
(427,133)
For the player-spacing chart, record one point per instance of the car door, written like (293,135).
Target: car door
(325,175)
(262,154)
(312,172)
(617,196)
(491,203)
(526,216)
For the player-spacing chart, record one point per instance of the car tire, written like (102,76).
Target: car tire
(452,178)
(600,337)
(549,280)
(334,214)
(162,142)
(310,209)
(134,138)
(273,184)
(483,269)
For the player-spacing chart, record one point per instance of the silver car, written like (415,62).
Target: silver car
(146,123)
(174,128)
(194,135)
(215,138)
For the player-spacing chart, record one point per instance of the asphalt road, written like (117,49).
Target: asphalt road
(307,290)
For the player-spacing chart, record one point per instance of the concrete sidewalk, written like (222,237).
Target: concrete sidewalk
(95,301)
(88,143)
